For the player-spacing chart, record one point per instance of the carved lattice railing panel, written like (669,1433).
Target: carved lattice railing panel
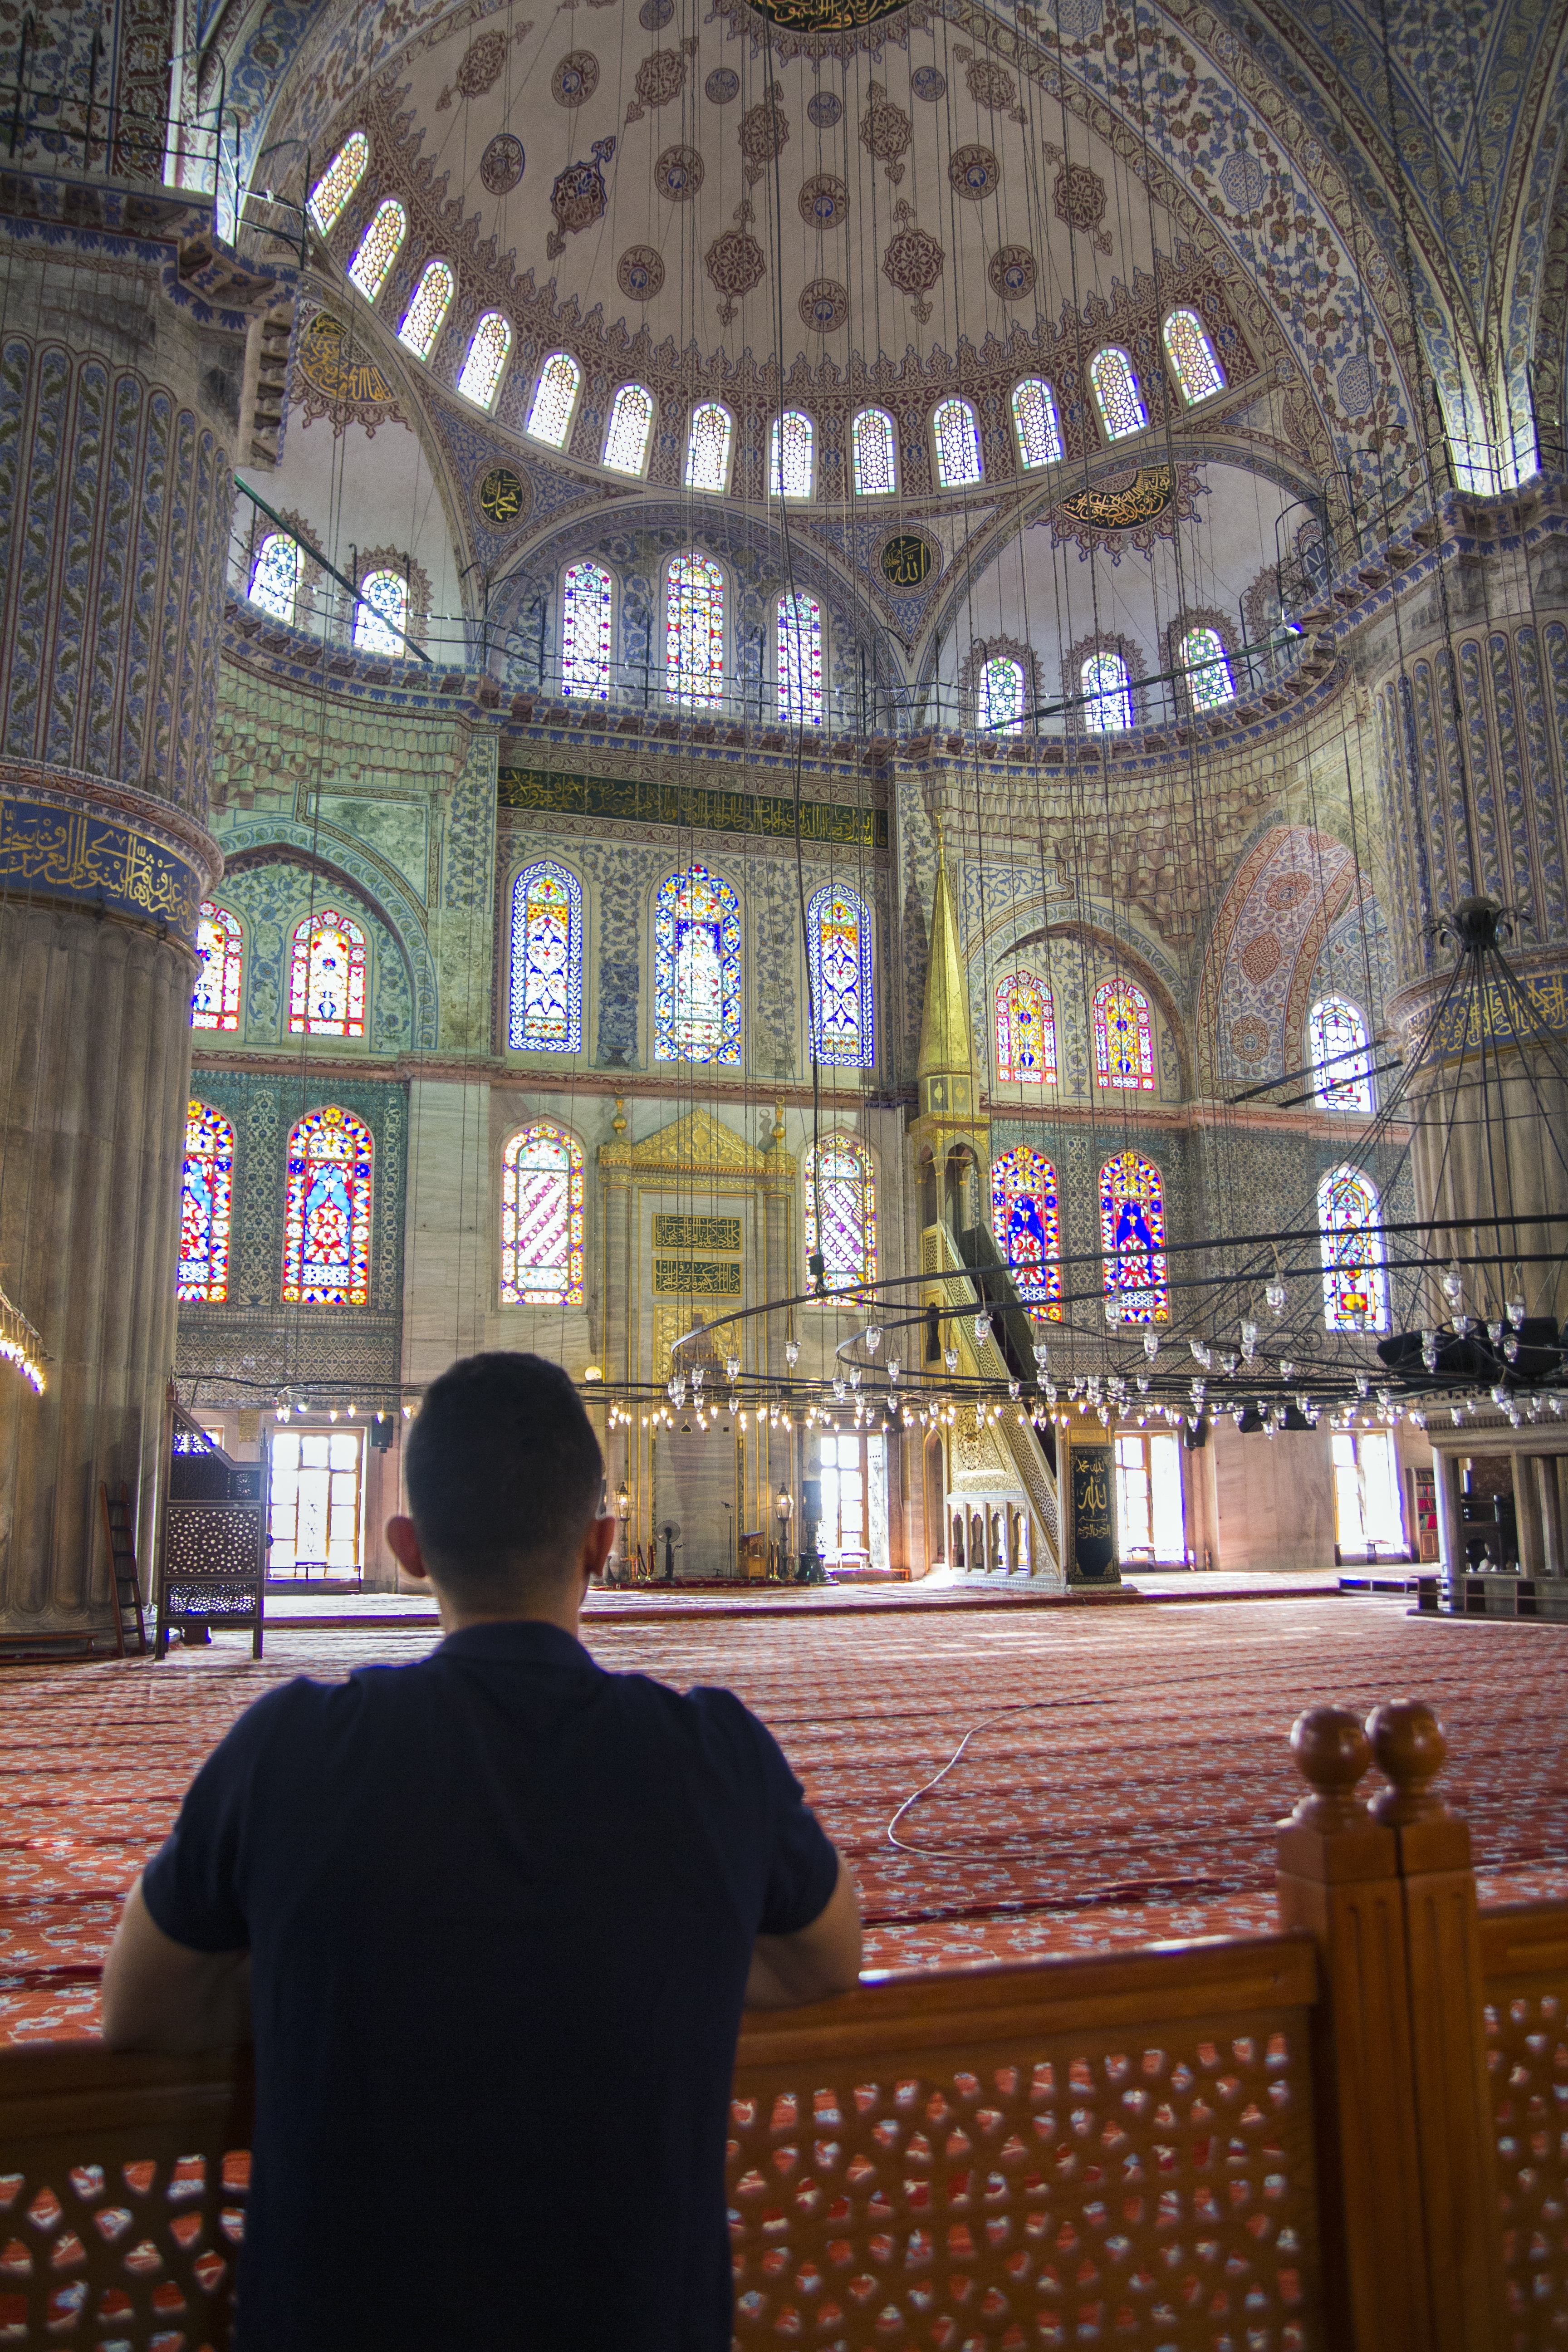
(1524,1954)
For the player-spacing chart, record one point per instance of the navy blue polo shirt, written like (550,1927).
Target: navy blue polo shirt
(500,1906)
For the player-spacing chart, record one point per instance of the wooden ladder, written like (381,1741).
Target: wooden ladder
(120,1528)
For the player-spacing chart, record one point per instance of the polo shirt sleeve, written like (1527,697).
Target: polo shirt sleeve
(802,1866)
(191,1886)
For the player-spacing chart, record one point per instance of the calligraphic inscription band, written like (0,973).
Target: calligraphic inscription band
(1140,501)
(49,851)
(1093,1515)
(697,1232)
(690,804)
(696,1277)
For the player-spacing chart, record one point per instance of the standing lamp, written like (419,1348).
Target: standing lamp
(624,1513)
(784,1511)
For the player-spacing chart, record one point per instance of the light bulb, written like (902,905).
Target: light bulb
(950,1358)
(894,1369)
(732,1367)
(792,1353)
(982,1327)
(1151,1342)
(1276,1294)
(698,1377)
(873,1336)
(855,1376)
(1516,1311)
(1451,1285)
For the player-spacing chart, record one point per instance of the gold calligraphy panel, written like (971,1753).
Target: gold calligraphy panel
(96,860)
(323,363)
(690,804)
(697,1277)
(697,1232)
(1140,501)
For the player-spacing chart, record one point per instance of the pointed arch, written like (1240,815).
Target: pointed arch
(1123,1035)
(631,421)
(1027,1222)
(426,314)
(545,1015)
(799,660)
(206,1205)
(792,455)
(1133,1236)
(542,1192)
(708,446)
(381,616)
(1355,1276)
(1036,423)
(1341,1064)
(220,963)
(694,630)
(1116,392)
(327,976)
(1108,694)
(490,348)
(339,181)
(554,397)
(838,953)
(1025,1031)
(874,449)
(276,574)
(378,247)
(696,999)
(1192,356)
(1205,665)
(326,1210)
(1003,696)
(840,1219)
(957,432)
(587,613)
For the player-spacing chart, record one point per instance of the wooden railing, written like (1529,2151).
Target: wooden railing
(1349,2137)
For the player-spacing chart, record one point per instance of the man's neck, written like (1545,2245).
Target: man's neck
(563,1608)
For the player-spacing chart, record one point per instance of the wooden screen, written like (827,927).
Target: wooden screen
(1524,1955)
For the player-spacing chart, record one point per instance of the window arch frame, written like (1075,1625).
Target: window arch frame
(1134,391)
(673,692)
(702,408)
(629,473)
(326,221)
(1008,1073)
(425,351)
(329,1118)
(571,1290)
(1337,1311)
(965,481)
(1044,1188)
(1327,1091)
(210,1287)
(270,539)
(1184,311)
(986,724)
(775,436)
(832,1054)
(817,717)
(731,945)
(231,983)
(301,962)
(1053,412)
(518,1039)
(1144,1081)
(486,406)
(1154,1291)
(1181,630)
(871,410)
(1090,702)
(531,427)
(607,630)
(856,1289)
(367,606)
(372,293)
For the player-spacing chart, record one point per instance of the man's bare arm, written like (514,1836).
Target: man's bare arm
(823,1958)
(160,1995)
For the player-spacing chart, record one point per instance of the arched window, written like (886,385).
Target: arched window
(541,1219)
(800,660)
(1108,694)
(1355,1277)
(631,421)
(1133,1236)
(206,1205)
(274,575)
(378,247)
(1191,353)
(790,455)
(1002,698)
(326,1211)
(587,595)
(339,181)
(696,969)
(1123,1035)
(874,445)
(1115,390)
(1027,1222)
(1025,1031)
(554,396)
(487,357)
(841,1211)
(546,1012)
(219,955)
(422,321)
(381,615)
(1035,421)
(707,446)
(326,977)
(839,952)
(694,630)
(957,443)
(1202,655)
(1342,1065)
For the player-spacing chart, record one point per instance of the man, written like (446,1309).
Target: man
(492,1918)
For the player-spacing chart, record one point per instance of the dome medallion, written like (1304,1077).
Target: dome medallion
(822,28)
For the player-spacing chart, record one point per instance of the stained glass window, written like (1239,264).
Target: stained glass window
(206,1205)
(275,577)
(1115,390)
(694,631)
(1341,1066)
(957,443)
(1192,355)
(546,1014)
(587,595)
(1207,665)
(378,247)
(554,396)
(326,1211)
(1355,1279)
(1133,1236)
(1035,421)
(631,421)
(421,322)
(790,455)
(696,969)
(838,950)
(841,1211)
(1025,1031)
(800,660)
(1027,1223)
(326,977)
(487,357)
(339,181)
(874,445)
(1002,698)
(541,1219)
(382,615)
(707,447)
(1108,694)
(220,957)
(1123,1035)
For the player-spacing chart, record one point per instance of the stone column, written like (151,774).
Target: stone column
(1548,1468)
(1527,1516)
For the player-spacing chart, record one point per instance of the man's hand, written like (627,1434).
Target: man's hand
(823,1958)
(160,1995)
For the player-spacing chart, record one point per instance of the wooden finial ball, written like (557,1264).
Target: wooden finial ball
(1411,1747)
(1332,1752)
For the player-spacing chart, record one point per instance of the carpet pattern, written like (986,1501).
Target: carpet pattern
(1119,1784)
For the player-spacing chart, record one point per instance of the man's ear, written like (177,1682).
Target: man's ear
(403,1545)
(596,1545)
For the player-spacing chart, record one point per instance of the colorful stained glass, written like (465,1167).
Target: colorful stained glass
(432,296)
(800,660)
(1035,421)
(957,443)
(1025,1031)
(378,247)
(838,951)
(1207,665)
(1027,1222)
(841,1211)
(546,1012)
(1123,1035)
(339,181)
(553,397)
(219,958)
(790,455)
(694,631)
(587,595)
(275,576)
(1115,390)
(1191,353)
(696,969)
(707,447)
(1108,694)
(1341,1066)
(326,977)
(1356,1276)
(874,445)
(326,1211)
(1002,698)
(382,615)
(1133,1236)
(541,1219)
(631,421)
(206,1205)
(487,357)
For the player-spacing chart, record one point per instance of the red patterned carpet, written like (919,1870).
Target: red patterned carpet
(1119,1783)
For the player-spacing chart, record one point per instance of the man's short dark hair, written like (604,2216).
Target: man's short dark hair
(504,1471)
